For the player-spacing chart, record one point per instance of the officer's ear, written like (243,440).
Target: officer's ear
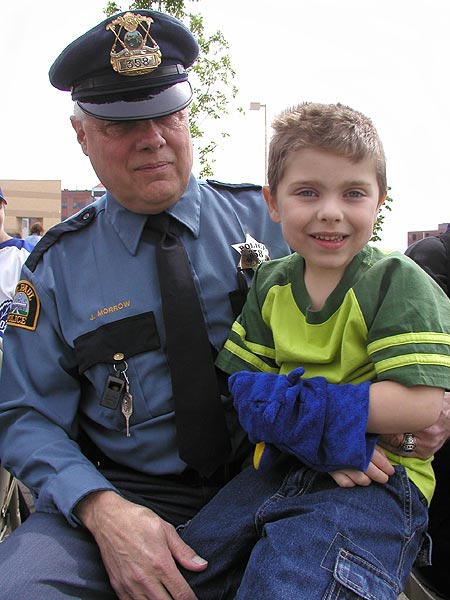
(272,204)
(78,125)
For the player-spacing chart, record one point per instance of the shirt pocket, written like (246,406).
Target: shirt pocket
(126,337)
(110,346)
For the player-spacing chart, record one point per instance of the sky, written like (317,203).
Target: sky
(386,58)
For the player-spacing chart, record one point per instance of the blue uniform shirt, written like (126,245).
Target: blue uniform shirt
(91,290)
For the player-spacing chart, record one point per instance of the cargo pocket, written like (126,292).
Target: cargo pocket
(355,578)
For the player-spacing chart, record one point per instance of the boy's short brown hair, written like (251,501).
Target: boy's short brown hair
(332,127)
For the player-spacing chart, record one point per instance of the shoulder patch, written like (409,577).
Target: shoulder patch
(73,224)
(234,186)
(25,307)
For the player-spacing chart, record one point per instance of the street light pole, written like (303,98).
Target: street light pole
(258,106)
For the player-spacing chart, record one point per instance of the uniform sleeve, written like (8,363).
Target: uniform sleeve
(38,407)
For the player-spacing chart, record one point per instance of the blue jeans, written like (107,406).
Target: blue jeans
(292,533)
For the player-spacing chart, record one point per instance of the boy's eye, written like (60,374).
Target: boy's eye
(306,193)
(355,194)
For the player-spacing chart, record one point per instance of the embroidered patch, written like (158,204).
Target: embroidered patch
(25,307)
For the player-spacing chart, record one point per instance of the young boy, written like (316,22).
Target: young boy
(334,341)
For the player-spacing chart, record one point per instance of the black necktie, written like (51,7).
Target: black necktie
(202,434)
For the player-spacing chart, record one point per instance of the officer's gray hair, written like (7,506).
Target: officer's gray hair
(333,127)
(78,114)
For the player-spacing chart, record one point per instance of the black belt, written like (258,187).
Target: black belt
(189,476)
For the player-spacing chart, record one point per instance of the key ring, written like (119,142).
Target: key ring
(121,372)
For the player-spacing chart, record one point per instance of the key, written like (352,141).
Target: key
(127,409)
(126,405)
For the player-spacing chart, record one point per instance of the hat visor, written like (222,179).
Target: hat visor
(170,100)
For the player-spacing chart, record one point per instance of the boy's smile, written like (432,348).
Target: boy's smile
(327,205)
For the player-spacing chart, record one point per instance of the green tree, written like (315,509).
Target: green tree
(211,76)
(378,227)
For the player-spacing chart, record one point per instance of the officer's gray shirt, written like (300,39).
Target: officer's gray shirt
(95,278)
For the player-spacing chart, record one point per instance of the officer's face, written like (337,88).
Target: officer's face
(144,164)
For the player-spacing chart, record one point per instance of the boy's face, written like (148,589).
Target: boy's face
(327,206)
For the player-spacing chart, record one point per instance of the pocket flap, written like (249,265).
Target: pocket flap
(363,578)
(129,336)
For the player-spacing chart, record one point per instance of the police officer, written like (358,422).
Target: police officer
(87,415)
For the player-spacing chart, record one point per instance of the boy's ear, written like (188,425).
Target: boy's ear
(271,204)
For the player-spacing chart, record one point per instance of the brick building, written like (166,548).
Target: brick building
(73,201)
(413,236)
(31,201)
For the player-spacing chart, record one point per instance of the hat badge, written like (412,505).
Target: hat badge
(134,56)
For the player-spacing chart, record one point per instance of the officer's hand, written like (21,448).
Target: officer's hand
(138,548)
(429,441)
(378,470)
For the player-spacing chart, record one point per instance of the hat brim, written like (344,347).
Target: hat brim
(166,102)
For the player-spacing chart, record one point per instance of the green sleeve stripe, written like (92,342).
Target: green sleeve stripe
(423,337)
(256,348)
(407,360)
(248,357)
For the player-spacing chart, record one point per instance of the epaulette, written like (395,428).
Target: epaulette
(72,224)
(234,186)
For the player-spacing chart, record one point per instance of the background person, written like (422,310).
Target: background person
(432,254)
(13,253)
(36,233)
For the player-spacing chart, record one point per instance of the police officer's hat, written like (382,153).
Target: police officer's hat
(130,66)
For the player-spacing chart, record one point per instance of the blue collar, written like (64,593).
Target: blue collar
(17,242)
(129,225)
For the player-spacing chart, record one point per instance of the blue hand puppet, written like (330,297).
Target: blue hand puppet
(322,424)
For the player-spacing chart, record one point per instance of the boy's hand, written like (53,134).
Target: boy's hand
(378,470)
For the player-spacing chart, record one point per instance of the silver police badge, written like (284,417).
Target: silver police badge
(252,252)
